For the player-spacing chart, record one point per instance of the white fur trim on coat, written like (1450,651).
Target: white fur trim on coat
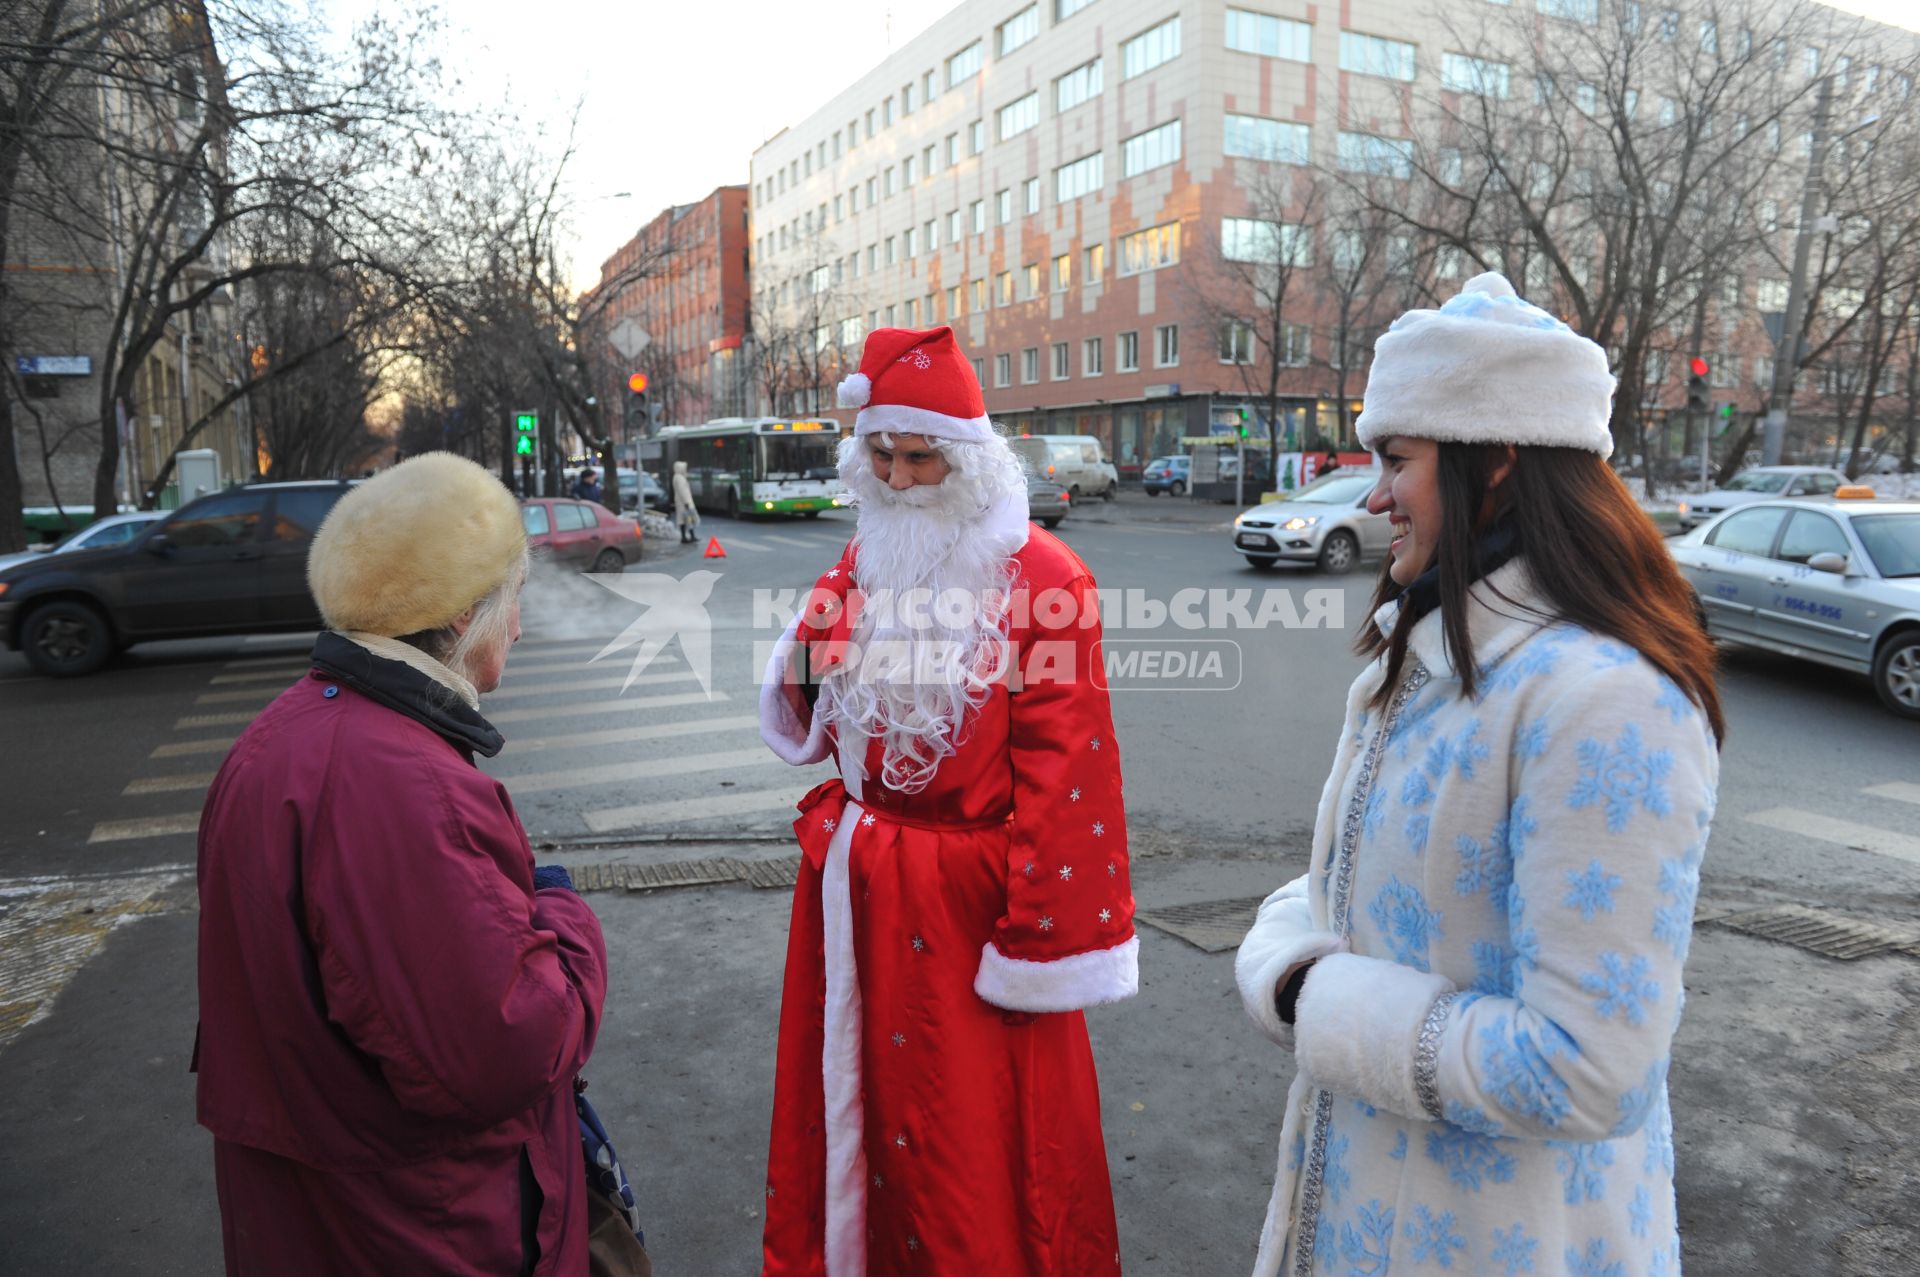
(904,419)
(1063,984)
(1357,1025)
(1282,935)
(854,390)
(794,741)
(846,1169)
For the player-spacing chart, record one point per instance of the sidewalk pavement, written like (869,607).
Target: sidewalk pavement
(1793,1084)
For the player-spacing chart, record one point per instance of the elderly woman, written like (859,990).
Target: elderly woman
(394,1003)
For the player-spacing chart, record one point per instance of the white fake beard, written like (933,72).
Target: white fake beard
(917,678)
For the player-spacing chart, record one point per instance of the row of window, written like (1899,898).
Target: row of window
(1093,358)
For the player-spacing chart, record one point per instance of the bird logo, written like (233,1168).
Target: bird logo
(674,608)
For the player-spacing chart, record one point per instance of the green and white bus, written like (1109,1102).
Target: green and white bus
(758,465)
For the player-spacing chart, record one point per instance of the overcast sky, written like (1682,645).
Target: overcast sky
(675,97)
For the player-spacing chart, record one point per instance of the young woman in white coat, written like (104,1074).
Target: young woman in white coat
(1479,975)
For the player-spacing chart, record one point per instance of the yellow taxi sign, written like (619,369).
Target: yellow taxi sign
(1853,492)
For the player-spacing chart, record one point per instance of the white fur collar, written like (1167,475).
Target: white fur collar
(1504,609)
(407,654)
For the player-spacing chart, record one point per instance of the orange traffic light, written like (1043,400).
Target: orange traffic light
(637,383)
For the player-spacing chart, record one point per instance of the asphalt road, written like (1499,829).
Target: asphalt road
(1793,1078)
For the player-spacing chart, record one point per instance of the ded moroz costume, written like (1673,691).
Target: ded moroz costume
(964,891)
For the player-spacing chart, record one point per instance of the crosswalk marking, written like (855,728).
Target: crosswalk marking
(805,543)
(1904,791)
(186,748)
(186,822)
(279,675)
(211,720)
(615,706)
(1846,833)
(639,769)
(623,735)
(265,694)
(673,811)
(732,543)
(168,784)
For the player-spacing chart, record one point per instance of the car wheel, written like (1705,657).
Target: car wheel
(1109,494)
(1074,492)
(1177,488)
(1050,524)
(610,560)
(1896,674)
(811,514)
(1153,492)
(66,639)
(1258,562)
(1339,554)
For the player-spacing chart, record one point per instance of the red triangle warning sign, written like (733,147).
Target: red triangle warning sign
(713,549)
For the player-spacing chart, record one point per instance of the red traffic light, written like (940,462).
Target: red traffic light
(638,383)
(1697,366)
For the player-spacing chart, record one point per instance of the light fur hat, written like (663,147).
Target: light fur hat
(1488,367)
(413,548)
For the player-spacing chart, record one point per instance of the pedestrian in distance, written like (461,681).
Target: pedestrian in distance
(964,888)
(1479,975)
(395,1003)
(587,486)
(685,515)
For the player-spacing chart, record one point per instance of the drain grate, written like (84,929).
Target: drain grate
(1210,925)
(1818,931)
(783,872)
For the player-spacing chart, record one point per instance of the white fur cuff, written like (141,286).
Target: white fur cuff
(1283,935)
(1357,1027)
(1062,984)
(795,742)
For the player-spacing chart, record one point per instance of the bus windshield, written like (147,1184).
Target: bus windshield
(808,456)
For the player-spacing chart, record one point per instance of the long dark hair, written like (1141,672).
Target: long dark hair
(1591,551)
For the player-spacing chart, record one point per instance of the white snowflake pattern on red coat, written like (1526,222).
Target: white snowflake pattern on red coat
(1099,829)
(1066,873)
(1074,796)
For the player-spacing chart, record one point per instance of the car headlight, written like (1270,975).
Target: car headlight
(1682,509)
(1238,519)
(1298,522)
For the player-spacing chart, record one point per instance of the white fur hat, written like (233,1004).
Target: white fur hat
(412,548)
(1488,367)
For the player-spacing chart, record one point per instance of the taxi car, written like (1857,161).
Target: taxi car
(1834,580)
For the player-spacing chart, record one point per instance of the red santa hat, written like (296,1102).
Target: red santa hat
(916,383)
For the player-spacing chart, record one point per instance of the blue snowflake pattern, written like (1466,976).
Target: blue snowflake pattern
(1585,1167)
(1468,750)
(1672,700)
(1538,657)
(1417,828)
(1469,1158)
(1515,1250)
(1335,1178)
(1637,1104)
(1516,828)
(1665,1261)
(1608,655)
(1367,1248)
(1640,1211)
(1401,913)
(1485,867)
(1659,1133)
(1591,892)
(1526,941)
(1433,1238)
(1673,921)
(1530,742)
(1520,1077)
(1621,987)
(1594,1263)
(1621,776)
(1470,1117)
(1399,1153)
(1414,790)
(1297,1155)
(1376,810)
(1365,1109)
(1415,722)
(1493,971)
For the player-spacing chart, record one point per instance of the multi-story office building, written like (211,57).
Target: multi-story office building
(1073,184)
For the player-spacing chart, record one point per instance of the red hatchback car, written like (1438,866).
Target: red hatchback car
(581,534)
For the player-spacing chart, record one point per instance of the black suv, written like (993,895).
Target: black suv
(234,562)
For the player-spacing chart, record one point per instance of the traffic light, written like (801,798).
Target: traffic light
(525,426)
(1242,430)
(637,407)
(1697,385)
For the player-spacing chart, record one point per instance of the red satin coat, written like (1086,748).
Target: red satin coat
(985,910)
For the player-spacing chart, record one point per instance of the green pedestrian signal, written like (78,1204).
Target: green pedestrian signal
(524,447)
(526,422)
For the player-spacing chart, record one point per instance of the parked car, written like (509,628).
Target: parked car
(1167,474)
(639,490)
(115,529)
(581,534)
(1325,522)
(1073,461)
(1831,580)
(1047,502)
(232,562)
(1758,484)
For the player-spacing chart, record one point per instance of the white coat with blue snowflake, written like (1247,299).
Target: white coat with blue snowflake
(1500,899)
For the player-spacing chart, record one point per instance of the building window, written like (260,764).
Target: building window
(1150,249)
(910,317)
(980,294)
(1093,357)
(1063,272)
(1017,117)
(1269,36)
(1587,11)
(1250,137)
(1032,273)
(977,216)
(930,86)
(1003,286)
(953,303)
(1464,74)
(930,235)
(1150,48)
(1020,29)
(1156,148)
(1376,55)
(1003,370)
(873,258)
(908,172)
(1029,365)
(1247,239)
(1129,352)
(909,238)
(979,370)
(1003,206)
(1030,191)
(853,199)
(927,166)
(890,258)
(1296,345)
(1382,156)
(850,332)
(886,181)
(886,113)
(965,64)
(1082,177)
(1078,85)
(1166,346)
(953,149)
(1064,9)
(837,217)
(1061,370)
(977,137)
(1093,261)
(954,227)
(1236,342)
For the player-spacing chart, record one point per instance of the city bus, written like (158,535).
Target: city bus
(758,465)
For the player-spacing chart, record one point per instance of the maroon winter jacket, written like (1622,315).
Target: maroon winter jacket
(391,1017)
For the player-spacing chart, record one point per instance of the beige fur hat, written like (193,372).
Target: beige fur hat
(413,548)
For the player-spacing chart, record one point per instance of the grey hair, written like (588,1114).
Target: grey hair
(491,624)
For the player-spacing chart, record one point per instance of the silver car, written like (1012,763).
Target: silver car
(1325,522)
(1826,579)
(1759,484)
(115,529)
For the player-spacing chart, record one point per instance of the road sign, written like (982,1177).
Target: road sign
(629,338)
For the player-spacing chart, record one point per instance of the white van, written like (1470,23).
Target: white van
(1075,462)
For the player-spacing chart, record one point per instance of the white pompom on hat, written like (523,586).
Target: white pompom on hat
(1488,367)
(414,547)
